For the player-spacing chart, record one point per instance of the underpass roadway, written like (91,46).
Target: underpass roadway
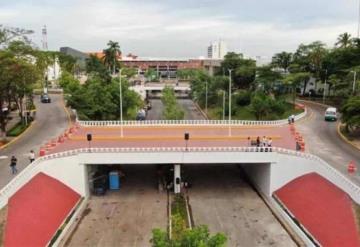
(322,139)
(221,198)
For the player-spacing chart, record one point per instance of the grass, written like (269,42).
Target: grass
(17,129)
(351,136)
(178,217)
(245,113)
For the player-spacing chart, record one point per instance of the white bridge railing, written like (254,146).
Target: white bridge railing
(190,122)
(35,167)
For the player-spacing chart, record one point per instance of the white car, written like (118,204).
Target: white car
(330,114)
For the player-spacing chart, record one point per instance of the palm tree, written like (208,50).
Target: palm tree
(344,40)
(111,54)
(282,60)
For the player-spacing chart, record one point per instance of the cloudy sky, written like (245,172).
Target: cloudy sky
(173,28)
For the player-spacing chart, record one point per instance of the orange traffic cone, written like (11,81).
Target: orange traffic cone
(351,167)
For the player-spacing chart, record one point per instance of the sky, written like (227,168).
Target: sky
(183,28)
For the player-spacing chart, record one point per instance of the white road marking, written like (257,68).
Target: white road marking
(3,157)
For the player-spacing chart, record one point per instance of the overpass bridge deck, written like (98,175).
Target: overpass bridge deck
(173,136)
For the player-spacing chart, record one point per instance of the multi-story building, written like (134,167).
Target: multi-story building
(217,50)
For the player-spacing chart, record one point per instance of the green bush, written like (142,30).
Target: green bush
(243,98)
(17,129)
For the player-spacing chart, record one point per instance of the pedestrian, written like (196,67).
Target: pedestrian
(269,142)
(293,118)
(32,156)
(258,141)
(289,119)
(13,165)
(264,141)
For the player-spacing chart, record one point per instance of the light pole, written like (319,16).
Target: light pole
(230,102)
(206,97)
(325,86)
(358,31)
(354,82)
(223,105)
(121,110)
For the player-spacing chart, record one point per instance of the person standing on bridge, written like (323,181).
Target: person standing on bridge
(258,141)
(32,156)
(13,165)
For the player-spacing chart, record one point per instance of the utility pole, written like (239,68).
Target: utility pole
(206,97)
(121,110)
(354,82)
(223,105)
(358,30)
(230,102)
(325,86)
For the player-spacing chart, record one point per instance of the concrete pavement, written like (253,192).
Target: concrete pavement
(51,120)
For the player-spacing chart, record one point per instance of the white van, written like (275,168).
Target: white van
(330,114)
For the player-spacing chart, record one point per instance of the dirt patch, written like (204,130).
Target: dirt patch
(356,208)
(3,216)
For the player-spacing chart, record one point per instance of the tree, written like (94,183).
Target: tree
(111,56)
(67,62)
(344,40)
(8,34)
(95,66)
(282,60)
(243,70)
(266,77)
(351,113)
(172,110)
(294,81)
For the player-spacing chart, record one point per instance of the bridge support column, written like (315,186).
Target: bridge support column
(177,179)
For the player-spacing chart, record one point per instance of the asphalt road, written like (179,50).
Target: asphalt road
(156,110)
(51,120)
(191,112)
(322,139)
(222,199)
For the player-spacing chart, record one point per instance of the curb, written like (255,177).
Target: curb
(18,137)
(201,111)
(313,102)
(66,110)
(344,137)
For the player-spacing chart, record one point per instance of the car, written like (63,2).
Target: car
(45,98)
(330,114)
(148,106)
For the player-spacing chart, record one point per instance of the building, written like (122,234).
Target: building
(217,50)
(78,55)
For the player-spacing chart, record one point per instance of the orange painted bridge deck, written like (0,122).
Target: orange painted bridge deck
(173,136)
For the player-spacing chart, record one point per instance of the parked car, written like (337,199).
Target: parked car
(45,98)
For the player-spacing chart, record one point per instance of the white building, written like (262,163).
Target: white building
(217,50)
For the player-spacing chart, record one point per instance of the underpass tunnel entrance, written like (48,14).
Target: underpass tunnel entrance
(129,178)
(215,176)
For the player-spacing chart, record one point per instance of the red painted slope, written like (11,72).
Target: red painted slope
(323,208)
(37,210)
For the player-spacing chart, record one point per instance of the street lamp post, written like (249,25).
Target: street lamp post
(230,102)
(206,97)
(223,105)
(121,110)
(325,86)
(354,82)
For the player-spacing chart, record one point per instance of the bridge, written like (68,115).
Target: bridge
(144,89)
(272,170)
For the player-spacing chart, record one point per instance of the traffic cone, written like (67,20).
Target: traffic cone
(42,151)
(351,167)
(61,139)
